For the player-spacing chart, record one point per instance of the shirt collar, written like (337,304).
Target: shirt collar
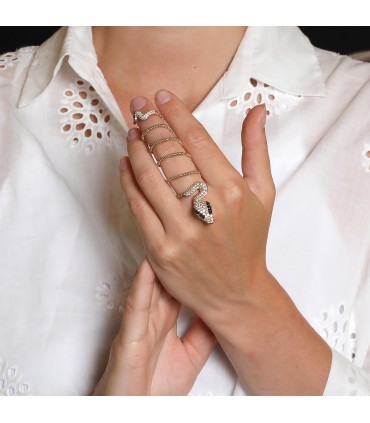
(74,43)
(281,57)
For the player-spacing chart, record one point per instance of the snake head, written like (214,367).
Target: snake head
(201,209)
(205,213)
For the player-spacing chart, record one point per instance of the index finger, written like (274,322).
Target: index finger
(206,154)
(136,315)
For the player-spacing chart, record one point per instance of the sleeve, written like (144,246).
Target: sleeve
(346,378)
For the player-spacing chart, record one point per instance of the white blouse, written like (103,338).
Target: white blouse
(69,245)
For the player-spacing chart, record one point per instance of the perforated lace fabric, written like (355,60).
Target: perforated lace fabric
(337,327)
(347,379)
(257,92)
(336,324)
(85,121)
(111,293)
(9,60)
(11,380)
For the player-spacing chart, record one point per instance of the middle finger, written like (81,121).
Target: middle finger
(171,157)
(174,162)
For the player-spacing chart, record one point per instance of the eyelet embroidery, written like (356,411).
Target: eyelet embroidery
(9,59)
(276,101)
(111,293)
(366,157)
(11,382)
(84,118)
(358,382)
(337,327)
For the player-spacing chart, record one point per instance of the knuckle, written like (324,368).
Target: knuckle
(165,148)
(153,244)
(137,206)
(145,176)
(196,135)
(189,237)
(167,254)
(233,193)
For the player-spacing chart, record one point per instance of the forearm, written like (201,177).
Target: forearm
(272,347)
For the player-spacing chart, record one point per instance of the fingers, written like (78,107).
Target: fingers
(146,218)
(151,181)
(255,158)
(127,368)
(206,155)
(171,157)
(199,342)
(138,305)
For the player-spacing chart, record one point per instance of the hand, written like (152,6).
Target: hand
(219,270)
(147,357)
(209,267)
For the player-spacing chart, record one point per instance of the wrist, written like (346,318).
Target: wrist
(230,317)
(266,316)
(271,346)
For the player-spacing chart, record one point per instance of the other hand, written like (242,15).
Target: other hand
(147,357)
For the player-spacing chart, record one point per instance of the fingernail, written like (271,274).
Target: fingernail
(137,103)
(262,117)
(163,96)
(123,164)
(133,134)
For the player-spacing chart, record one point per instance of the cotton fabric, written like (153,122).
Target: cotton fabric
(69,245)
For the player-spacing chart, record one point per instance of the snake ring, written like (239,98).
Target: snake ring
(202,209)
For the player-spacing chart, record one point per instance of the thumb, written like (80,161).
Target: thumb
(255,158)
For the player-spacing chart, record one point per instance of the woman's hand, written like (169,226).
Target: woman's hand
(147,357)
(209,267)
(219,270)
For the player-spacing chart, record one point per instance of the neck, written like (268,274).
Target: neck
(185,60)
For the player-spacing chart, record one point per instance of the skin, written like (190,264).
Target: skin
(217,270)
(147,357)
(186,60)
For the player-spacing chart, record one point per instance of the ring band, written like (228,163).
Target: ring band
(177,153)
(151,128)
(144,116)
(151,146)
(190,172)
